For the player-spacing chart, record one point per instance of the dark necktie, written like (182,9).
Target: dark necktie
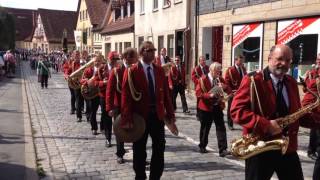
(240,72)
(151,87)
(281,106)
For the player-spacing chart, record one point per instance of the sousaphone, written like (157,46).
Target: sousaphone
(129,135)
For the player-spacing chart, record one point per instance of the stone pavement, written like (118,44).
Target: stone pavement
(67,149)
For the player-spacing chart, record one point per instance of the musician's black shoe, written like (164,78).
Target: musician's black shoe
(120,160)
(224,153)
(313,156)
(79,120)
(108,144)
(186,112)
(231,128)
(203,150)
(72,111)
(94,132)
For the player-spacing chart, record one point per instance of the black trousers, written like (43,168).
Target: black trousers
(120,146)
(44,81)
(79,102)
(316,169)
(179,89)
(155,128)
(94,105)
(262,166)
(73,99)
(230,122)
(87,102)
(314,140)
(106,120)
(206,119)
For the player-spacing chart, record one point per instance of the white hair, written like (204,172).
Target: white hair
(215,65)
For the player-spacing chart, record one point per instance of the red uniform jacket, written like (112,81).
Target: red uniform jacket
(103,75)
(205,101)
(177,77)
(309,97)
(141,107)
(66,68)
(113,96)
(232,77)
(158,60)
(248,118)
(197,74)
(312,74)
(87,74)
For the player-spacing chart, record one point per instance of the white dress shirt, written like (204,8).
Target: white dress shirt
(284,89)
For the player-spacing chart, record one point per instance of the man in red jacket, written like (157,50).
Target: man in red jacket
(154,105)
(177,83)
(210,108)
(263,97)
(113,93)
(197,72)
(233,77)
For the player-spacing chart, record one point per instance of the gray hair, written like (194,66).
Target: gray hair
(214,66)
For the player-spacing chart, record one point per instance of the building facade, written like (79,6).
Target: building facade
(251,28)
(165,23)
(90,17)
(118,31)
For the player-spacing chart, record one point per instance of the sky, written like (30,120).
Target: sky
(70,5)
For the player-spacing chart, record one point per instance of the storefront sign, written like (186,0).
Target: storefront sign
(77,36)
(247,42)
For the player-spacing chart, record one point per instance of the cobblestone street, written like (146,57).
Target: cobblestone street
(66,149)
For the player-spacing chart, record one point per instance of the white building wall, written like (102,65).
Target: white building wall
(113,39)
(159,22)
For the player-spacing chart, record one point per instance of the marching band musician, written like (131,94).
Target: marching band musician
(104,74)
(90,75)
(197,72)
(177,84)
(77,92)
(113,93)
(274,94)
(154,106)
(233,77)
(211,108)
(163,58)
(85,59)
(314,145)
(67,70)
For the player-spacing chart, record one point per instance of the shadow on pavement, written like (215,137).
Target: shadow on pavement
(15,172)
(201,166)
(10,140)
(10,111)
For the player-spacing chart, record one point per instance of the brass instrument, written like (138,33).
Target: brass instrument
(251,144)
(89,90)
(167,67)
(75,77)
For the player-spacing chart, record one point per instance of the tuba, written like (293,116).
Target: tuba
(75,77)
(250,145)
(89,90)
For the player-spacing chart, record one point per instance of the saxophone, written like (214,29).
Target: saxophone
(250,145)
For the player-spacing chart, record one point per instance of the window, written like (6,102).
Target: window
(155,4)
(165,3)
(128,8)
(170,45)
(120,47)
(117,14)
(141,6)
(127,45)
(160,43)
(116,47)
(122,12)
(86,14)
(140,41)
(107,48)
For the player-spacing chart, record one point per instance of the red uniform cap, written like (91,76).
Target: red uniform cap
(113,55)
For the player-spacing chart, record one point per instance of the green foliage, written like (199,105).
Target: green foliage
(7,30)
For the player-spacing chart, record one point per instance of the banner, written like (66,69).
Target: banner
(290,29)
(78,38)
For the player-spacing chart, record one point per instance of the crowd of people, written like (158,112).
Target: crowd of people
(141,83)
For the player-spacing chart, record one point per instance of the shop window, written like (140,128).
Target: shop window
(116,47)
(302,53)
(120,47)
(170,46)
(250,49)
(140,41)
(160,43)
(127,45)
